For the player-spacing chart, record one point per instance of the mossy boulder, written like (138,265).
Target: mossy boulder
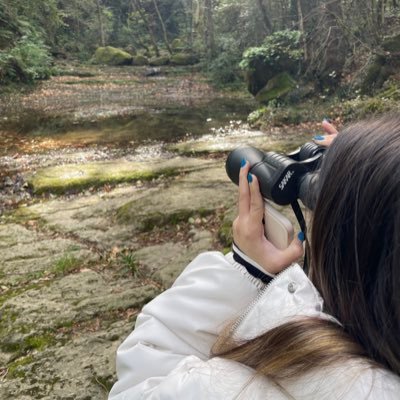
(177,44)
(111,56)
(140,60)
(184,59)
(276,88)
(159,61)
(392,44)
(382,66)
(75,177)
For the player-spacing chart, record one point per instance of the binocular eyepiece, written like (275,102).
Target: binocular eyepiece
(283,178)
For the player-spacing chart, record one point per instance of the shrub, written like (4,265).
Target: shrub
(280,51)
(27,61)
(224,69)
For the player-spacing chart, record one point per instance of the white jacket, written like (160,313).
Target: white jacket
(167,356)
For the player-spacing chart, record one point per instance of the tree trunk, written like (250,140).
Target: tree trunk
(209,29)
(138,7)
(380,13)
(165,36)
(101,25)
(301,28)
(266,20)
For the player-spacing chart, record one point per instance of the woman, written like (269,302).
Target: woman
(252,325)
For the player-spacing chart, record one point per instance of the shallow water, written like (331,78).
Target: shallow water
(166,124)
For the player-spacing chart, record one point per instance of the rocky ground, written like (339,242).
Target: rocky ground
(88,236)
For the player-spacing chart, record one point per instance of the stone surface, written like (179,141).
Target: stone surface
(62,178)
(217,144)
(111,56)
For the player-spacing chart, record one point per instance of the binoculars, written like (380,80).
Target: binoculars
(283,178)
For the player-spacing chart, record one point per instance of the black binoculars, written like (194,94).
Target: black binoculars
(283,178)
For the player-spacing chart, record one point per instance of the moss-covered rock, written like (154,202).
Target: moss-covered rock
(140,60)
(159,61)
(184,59)
(276,88)
(382,66)
(111,56)
(177,44)
(63,178)
(392,44)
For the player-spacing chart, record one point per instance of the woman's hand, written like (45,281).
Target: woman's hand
(328,139)
(248,229)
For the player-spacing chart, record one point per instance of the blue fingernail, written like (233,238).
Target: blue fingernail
(301,236)
(326,119)
(319,137)
(243,162)
(250,178)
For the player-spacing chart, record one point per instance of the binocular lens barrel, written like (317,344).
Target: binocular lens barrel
(282,179)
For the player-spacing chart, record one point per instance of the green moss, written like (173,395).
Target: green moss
(159,61)
(111,56)
(140,60)
(39,342)
(21,347)
(184,59)
(64,178)
(15,368)
(276,88)
(177,44)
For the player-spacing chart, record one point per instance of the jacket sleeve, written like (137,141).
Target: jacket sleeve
(183,321)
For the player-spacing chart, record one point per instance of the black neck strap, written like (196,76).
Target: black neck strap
(302,222)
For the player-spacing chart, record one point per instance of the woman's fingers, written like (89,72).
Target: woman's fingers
(330,137)
(256,200)
(244,190)
(329,128)
(280,259)
(325,140)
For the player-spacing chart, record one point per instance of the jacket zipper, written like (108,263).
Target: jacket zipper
(260,295)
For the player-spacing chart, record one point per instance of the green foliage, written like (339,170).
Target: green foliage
(27,61)
(279,51)
(224,69)
(65,264)
(129,263)
(362,107)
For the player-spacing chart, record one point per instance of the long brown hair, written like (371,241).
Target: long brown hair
(355,263)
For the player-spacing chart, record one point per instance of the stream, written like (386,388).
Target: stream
(119,113)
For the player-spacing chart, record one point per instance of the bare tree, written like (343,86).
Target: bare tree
(209,29)
(164,31)
(101,25)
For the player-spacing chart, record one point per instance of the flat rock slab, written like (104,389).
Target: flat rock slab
(81,369)
(62,178)
(26,254)
(200,192)
(114,219)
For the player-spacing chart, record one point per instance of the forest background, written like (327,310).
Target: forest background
(346,47)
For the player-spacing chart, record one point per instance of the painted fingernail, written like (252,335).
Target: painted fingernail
(326,119)
(250,178)
(301,236)
(319,137)
(243,163)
